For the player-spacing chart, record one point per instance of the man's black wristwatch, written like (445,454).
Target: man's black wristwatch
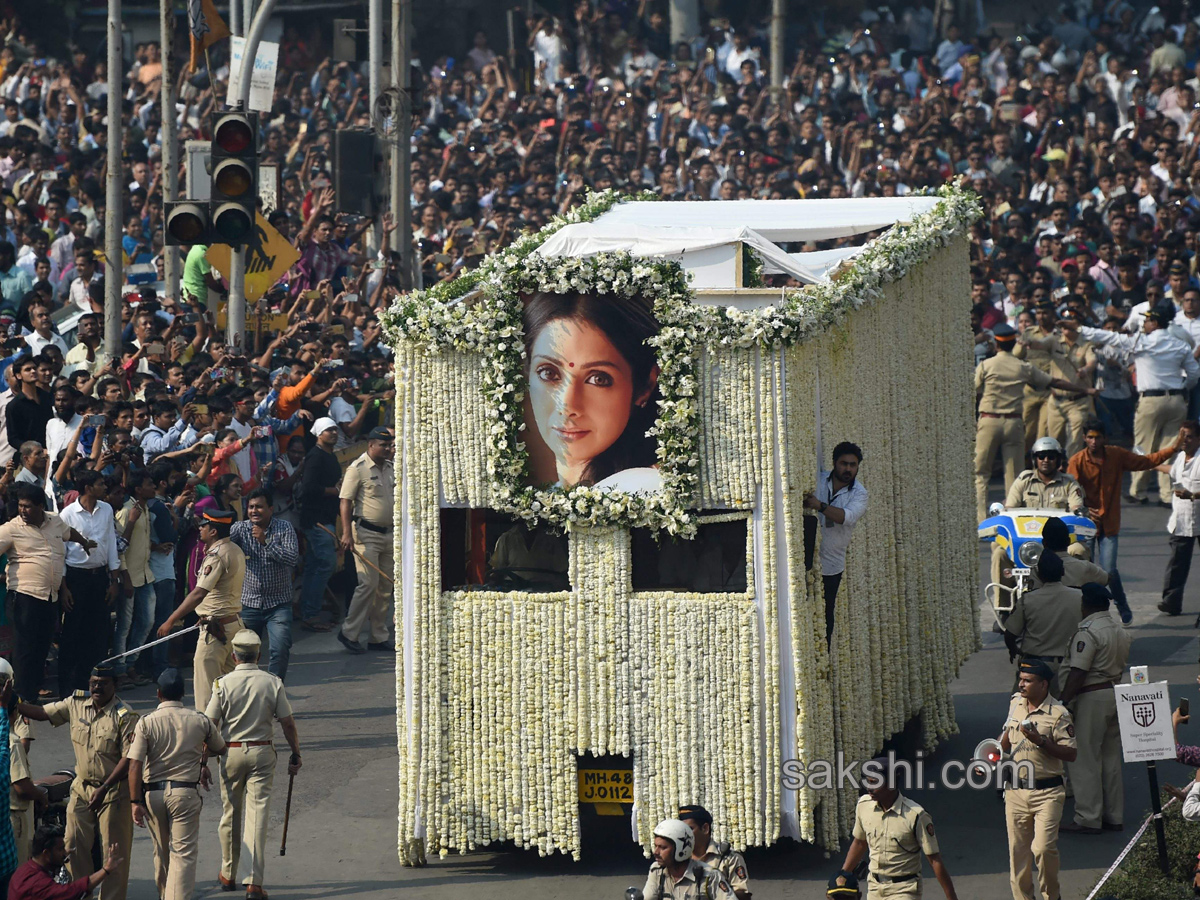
(824,506)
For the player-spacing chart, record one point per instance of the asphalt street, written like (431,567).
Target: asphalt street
(342,837)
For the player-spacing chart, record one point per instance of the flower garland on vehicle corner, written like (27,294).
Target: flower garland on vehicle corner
(438,319)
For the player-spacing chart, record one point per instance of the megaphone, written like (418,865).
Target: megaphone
(986,757)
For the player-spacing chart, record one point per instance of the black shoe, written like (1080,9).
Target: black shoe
(352,646)
(382,645)
(1112,826)
(1076,828)
(1168,609)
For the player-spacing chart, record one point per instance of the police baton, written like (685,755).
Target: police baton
(287,815)
(360,556)
(162,640)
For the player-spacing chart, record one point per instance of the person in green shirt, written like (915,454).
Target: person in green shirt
(199,277)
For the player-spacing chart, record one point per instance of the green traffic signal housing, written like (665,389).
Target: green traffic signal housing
(234,192)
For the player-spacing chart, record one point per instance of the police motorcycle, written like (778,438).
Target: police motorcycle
(1019,533)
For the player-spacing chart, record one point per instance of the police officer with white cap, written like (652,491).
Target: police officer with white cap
(368,503)
(675,875)
(246,704)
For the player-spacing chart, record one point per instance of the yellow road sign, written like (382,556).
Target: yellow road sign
(268,257)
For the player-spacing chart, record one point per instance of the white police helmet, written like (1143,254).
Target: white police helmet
(6,670)
(1047,445)
(681,834)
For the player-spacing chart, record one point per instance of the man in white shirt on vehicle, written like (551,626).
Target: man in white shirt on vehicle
(840,501)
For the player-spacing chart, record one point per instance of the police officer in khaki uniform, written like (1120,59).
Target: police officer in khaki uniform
(1045,486)
(1075,362)
(675,874)
(368,502)
(895,831)
(217,599)
(1000,381)
(1043,621)
(1096,658)
(246,703)
(715,854)
(23,794)
(1039,734)
(101,732)
(1077,569)
(1038,347)
(166,768)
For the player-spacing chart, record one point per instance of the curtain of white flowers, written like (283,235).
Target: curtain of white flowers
(709,693)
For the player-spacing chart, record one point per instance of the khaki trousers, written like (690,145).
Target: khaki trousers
(1156,425)
(1033,818)
(1096,772)
(371,602)
(247,774)
(175,831)
(115,822)
(22,826)
(212,660)
(1065,422)
(994,436)
(878,890)
(1036,416)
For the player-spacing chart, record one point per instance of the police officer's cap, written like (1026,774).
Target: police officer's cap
(1004,332)
(1047,304)
(219,516)
(696,813)
(1037,668)
(380,433)
(246,640)
(847,891)
(1163,314)
(1096,595)
(1049,567)
(171,681)
(104,670)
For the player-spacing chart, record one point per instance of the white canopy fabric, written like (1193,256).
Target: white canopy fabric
(669,242)
(775,220)
(822,262)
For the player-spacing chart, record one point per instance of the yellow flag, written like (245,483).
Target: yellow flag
(207,28)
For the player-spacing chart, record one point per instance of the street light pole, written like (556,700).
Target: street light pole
(402,111)
(170,151)
(114,271)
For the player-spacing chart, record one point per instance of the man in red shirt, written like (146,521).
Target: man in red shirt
(35,879)
(1099,469)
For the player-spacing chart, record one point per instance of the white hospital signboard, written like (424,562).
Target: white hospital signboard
(1144,717)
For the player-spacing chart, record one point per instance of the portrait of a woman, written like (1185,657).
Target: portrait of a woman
(593,391)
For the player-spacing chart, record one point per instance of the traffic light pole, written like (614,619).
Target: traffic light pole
(114,271)
(235,321)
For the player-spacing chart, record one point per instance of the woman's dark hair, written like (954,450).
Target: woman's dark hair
(222,484)
(627,322)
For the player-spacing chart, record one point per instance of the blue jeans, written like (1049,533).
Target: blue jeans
(277,623)
(164,605)
(1117,415)
(134,614)
(320,562)
(1104,554)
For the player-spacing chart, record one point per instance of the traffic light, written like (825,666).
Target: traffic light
(186,223)
(234,194)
